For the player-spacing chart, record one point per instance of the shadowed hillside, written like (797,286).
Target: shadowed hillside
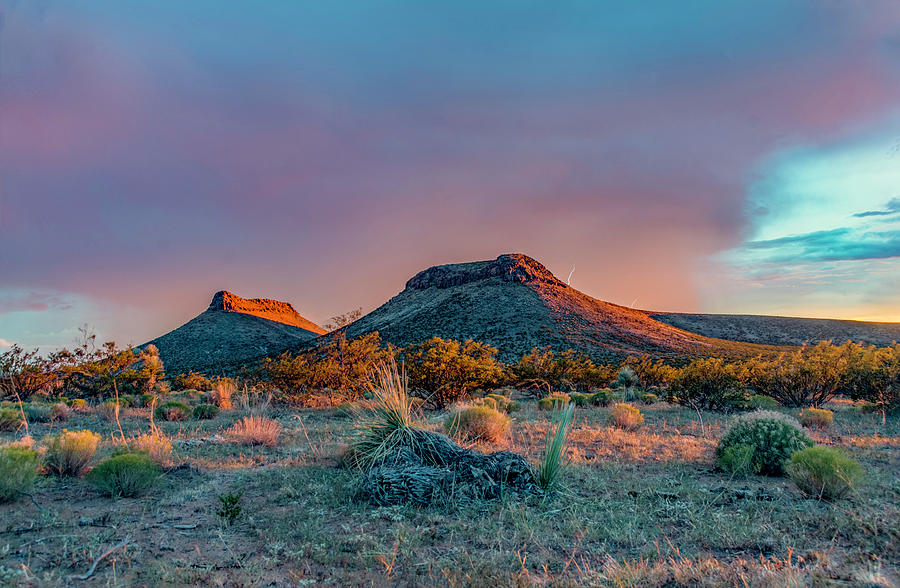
(232,330)
(781,330)
(514,303)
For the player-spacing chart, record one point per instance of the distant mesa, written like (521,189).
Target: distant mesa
(234,330)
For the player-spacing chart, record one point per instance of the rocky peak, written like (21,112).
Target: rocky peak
(266,308)
(509,267)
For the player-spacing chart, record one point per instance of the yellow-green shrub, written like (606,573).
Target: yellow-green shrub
(126,475)
(18,468)
(625,416)
(69,453)
(10,419)
(824,472)
(774,437)
(549,402)
(478,423)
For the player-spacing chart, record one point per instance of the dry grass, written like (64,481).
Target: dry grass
(156,445)
(256,430)
(626,416)
(221,394)
(478,423)
(69,453)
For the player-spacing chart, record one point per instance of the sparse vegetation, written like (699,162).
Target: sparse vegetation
(69,453)
(18,469)
(230,508)
(773,436)
(124,476)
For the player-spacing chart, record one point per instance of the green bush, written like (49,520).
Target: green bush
(478,423)
(649,398)
(551,402)
(79,403)
(761,402)
(173,411)
(205,412)
(580,399)
(146,400)
(738,460)
(513,406)
(125,475)
(38,413)
(625,416)
(774,437)
(18,469)
(604,397)
(69,453)
(824,472)
(10,419)
(707,383)
(816,418)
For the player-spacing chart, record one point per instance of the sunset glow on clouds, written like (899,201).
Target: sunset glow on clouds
(721,157)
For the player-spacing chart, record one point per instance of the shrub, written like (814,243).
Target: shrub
(69,452)
(708,383)
(816,418)
(205,411)
(761,402)
(221,393)
(126,475)
(774,437)
(809,376)
(192,381)
(230,508)
(824,472)
(738,460)
(38,413)
(446,371)
(107,410)
(604,397)
(79,403)
(256,430)
(147,400)
(550,468)
(173,411)
(60,411)
(10,419)
(649,398)
(156,446)
(625,416)
(478,423)
(18,468)
(580,399)
(128,400)
(551,402)
(513,406)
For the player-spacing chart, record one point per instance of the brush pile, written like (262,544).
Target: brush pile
(404,464)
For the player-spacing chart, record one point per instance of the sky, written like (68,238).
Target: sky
(733,157)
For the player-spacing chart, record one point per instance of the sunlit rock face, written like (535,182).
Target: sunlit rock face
(266,308)
(509,267)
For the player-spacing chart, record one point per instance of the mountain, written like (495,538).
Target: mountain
(514,304)
(233,330)
(781,330)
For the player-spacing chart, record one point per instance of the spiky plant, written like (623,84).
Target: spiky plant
(386,421)
(548,471)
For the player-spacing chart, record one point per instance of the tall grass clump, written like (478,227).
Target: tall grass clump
(478,423)
(155,445)
(816,418)
(386,422)
(18,469)
(625,416)
(222,392)
(774,437)
(551,466)
(125,475)
(256,430)
(69,453)
(824,472)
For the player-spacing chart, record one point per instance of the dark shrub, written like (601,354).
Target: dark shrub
(205,411)
(125,475)
(173,411)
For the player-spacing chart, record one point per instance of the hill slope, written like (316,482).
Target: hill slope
(514,303)
(780,330)
(232,330)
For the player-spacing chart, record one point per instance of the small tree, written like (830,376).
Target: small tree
(709,384)
(874,375)
(444,371)
(809,376)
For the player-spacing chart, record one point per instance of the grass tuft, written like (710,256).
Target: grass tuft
(551,466)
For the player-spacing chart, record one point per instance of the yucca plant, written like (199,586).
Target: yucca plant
(385,422)
(551,466)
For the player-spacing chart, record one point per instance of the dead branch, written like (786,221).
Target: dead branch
(103,555)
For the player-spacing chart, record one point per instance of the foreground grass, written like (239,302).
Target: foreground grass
(638,508)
